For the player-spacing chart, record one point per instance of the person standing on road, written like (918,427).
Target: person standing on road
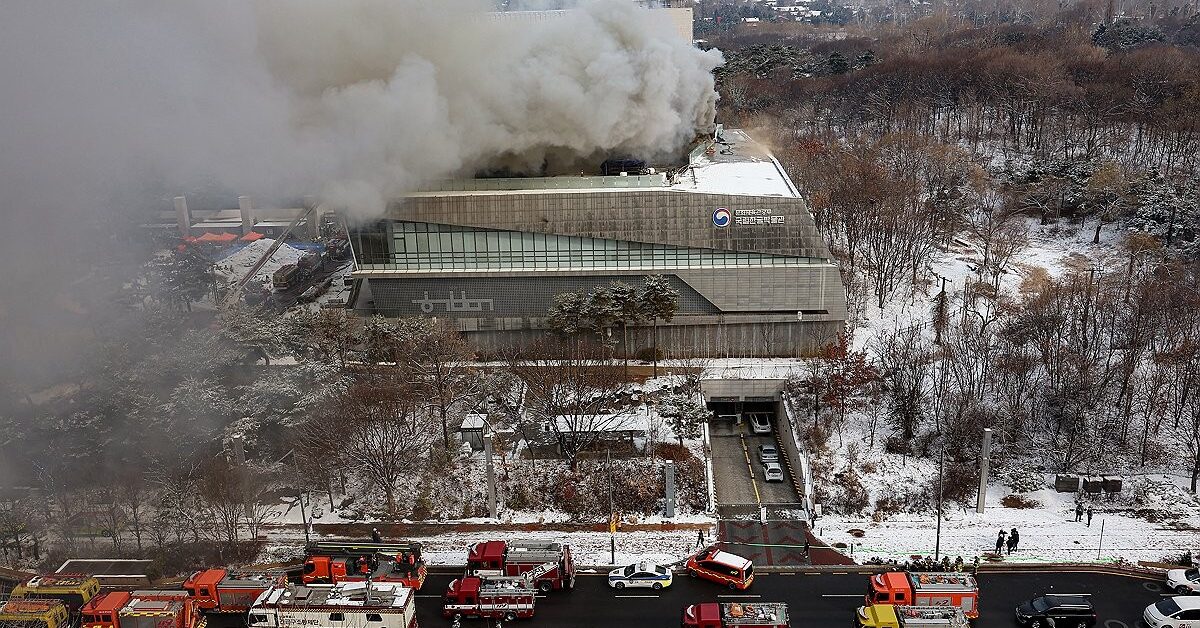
(1078,512)
(699,538)
(806,546)
(375,536)
(1000,541)
(1014,538)
(1089,514)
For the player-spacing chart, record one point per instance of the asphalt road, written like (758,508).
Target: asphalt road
(738,482)
(822,600)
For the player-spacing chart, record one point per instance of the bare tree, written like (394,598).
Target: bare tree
(437,361)
(383,428)
(573,392)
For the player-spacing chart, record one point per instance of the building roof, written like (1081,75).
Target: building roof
(636,420)
(732,163)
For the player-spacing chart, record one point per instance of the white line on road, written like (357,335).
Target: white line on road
(841,595)
(739,596)
(648,597)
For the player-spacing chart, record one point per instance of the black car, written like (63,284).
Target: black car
(1066,611)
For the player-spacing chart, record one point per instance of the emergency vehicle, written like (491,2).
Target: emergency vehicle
(72,589)
(721,567)
(475,596)
(33,614)
(142,609)
(925,589)
(736,615)
(500,558)
(888,616)
(223,591)
(342,605)
(330,562)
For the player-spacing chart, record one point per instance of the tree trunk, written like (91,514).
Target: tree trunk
(654,342)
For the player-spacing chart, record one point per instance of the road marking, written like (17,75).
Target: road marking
(648,597)
(427,595)
(1073,594)
(841,595)
(812,573)
(746,595)
(788,573)
(841,573)
(750,468)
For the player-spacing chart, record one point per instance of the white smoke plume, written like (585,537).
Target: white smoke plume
(352,100)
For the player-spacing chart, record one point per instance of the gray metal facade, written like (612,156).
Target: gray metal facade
(724,311)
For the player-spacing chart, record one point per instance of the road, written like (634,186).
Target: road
(737,471)
(820,600)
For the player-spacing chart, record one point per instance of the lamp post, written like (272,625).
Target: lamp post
(937,546)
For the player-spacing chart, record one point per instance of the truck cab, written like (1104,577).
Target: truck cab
(34,614)
(73,590)
(889,616)
(925,589)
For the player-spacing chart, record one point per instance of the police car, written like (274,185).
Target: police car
(646,575)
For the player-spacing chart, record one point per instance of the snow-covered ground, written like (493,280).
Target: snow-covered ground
(587,548)
(235,265)
(1047,534)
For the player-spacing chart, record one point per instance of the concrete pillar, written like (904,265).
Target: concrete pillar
(182,217)
(313,226)
(669,472)
(247,211)
(985,453)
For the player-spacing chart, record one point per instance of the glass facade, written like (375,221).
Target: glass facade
(421,246)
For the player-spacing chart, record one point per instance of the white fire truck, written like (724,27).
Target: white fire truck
(342,605)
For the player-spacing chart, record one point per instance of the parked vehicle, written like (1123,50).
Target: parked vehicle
(772,472)
(736,615)
(475,596)
(283,278)
(343,605)
(1183,581)
(142,609)
(721,567)
(768,453)
(34,614)
(925,589)
(330,562)
(72,589)
(889,616)
(222,591)
(1173,612)
(646,575)
(1066,611)
(501,558)
(759,423)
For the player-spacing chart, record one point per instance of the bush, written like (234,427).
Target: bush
(673,451)
(1020,502)
(896,444)
(852,496)
(1023,480)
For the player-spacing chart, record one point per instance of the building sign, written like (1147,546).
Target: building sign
(720,217)
(460,303)
(757,217)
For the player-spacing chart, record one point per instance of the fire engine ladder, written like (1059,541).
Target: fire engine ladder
(353,548)
(236,291)
(951,615)
(529,577)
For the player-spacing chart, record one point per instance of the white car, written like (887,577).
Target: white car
(1183,581)
(772,472)
(646,575)
(759,423)
(768,453)
(1173,612)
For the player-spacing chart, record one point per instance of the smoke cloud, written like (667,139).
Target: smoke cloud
(109,109)
(352,100)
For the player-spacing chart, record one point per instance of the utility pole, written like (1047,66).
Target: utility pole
(937,547)
(612,513)
(239,459)
(669,492)
(985,454)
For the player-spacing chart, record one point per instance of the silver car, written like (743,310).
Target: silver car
(772,472)
(768,453)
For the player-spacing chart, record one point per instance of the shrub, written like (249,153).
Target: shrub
(1023,480)
(852,496)
(1019,501)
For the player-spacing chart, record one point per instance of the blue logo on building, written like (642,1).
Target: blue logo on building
(721,217)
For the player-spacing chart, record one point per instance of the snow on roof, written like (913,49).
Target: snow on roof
(737,165)
(474,422)
(240,261)
(635,420)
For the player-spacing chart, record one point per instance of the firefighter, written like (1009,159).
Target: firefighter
(364,567)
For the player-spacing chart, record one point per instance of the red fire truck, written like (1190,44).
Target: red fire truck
(736,615)
(142,609)
(501,558)
(473,596)
(330,562)
(222,591)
